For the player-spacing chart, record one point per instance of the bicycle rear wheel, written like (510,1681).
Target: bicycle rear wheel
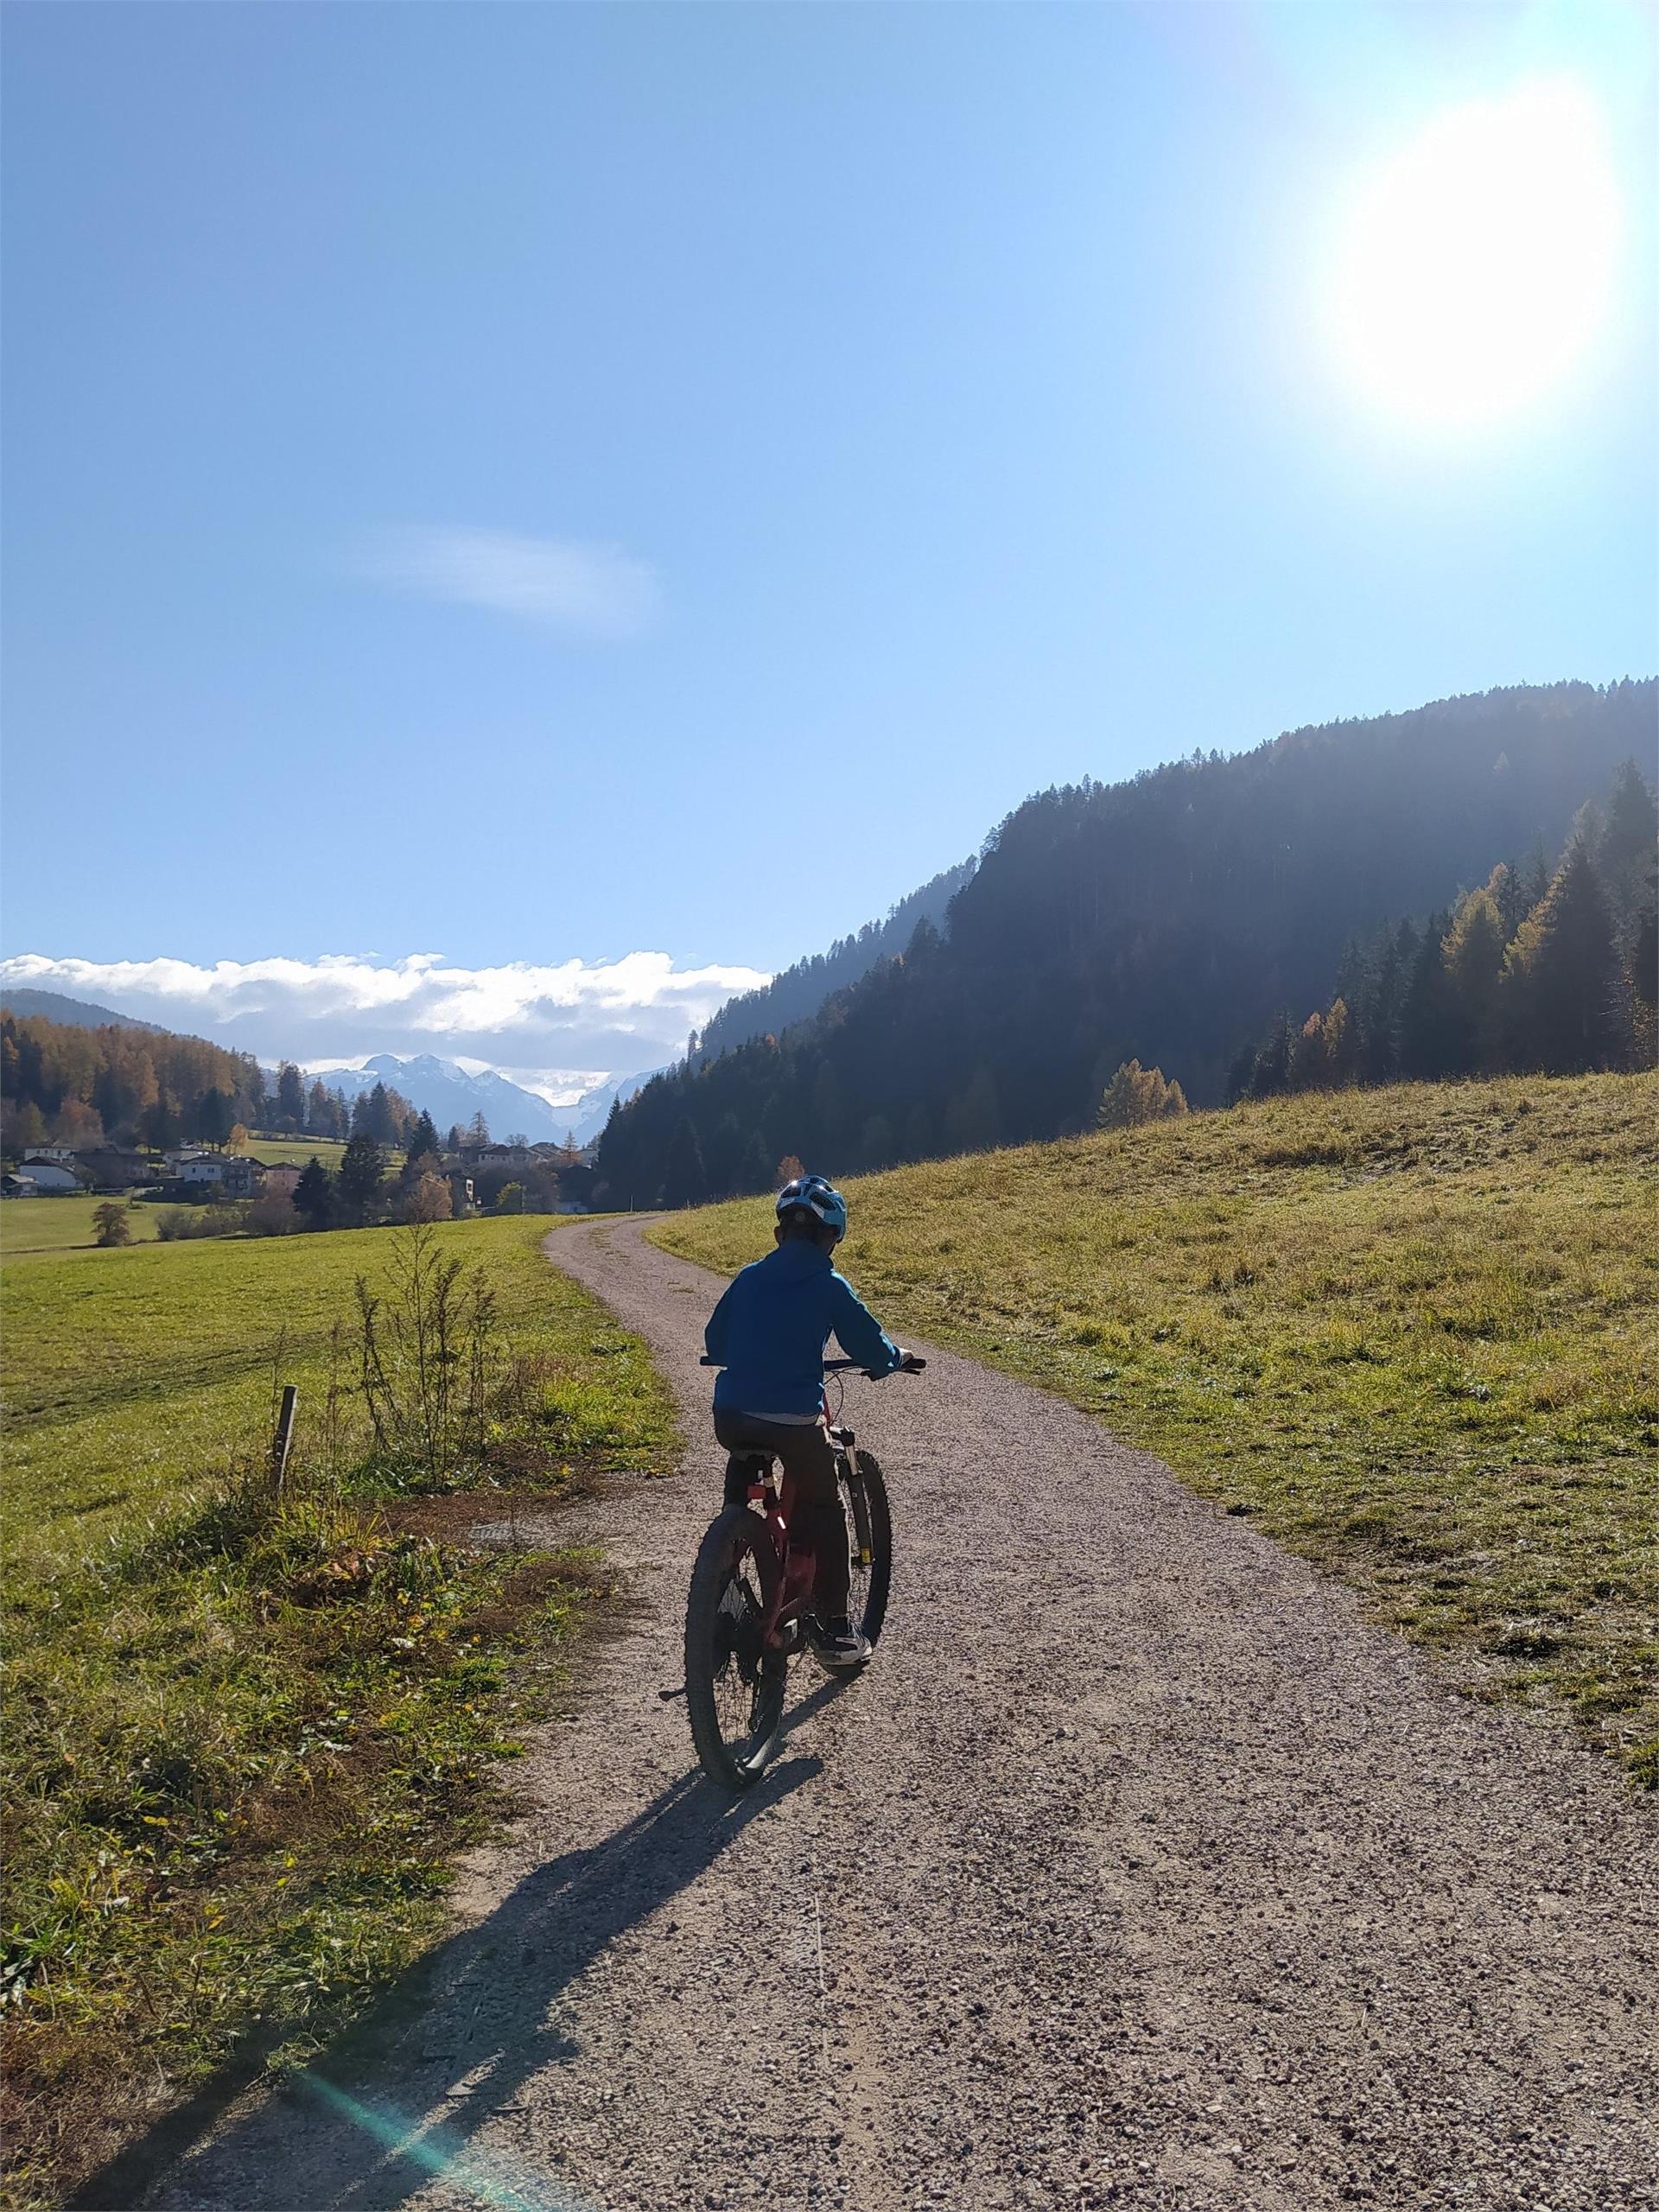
(869,1532)
(733,1688)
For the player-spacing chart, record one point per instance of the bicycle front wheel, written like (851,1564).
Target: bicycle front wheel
(734,1686)
(869,1532)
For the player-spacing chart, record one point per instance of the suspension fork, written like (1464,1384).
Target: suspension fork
(865,1551)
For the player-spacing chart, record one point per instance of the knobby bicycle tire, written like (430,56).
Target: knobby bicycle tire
(714,1667)
(864,1496)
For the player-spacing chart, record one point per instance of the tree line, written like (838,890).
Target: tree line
(1166,918)
(799,991)
(1527,973)
(64,1084)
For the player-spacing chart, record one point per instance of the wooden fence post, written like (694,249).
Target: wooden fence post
(283,1438)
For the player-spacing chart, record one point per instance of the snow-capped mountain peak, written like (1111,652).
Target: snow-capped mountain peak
(545,1104)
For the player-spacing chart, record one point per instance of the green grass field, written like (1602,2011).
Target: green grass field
(297,1150)
(32,1225)
(1412,1333)
(127,1379)
(243,1741)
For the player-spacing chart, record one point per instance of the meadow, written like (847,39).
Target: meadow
(295,1151)
(246,1735)
(32,1225)
(1412,1334)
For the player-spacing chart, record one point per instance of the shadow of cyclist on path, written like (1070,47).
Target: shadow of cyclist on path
(366,2106)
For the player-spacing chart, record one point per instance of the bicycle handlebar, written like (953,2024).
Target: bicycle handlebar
(913,1365)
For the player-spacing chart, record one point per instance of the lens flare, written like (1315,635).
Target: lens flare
(437,2150)
(1477,266)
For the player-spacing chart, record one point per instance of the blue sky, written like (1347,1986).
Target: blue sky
(537,485)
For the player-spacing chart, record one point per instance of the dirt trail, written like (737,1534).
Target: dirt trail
(1137,1871)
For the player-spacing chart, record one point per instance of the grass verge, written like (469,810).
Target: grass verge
(245,1738)
(1411,1333)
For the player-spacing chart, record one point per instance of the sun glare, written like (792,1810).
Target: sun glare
(1478,265)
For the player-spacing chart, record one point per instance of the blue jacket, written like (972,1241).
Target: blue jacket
(772,1324)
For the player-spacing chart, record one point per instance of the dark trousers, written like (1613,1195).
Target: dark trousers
(809,1460)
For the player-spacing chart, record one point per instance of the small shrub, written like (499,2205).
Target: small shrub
(274,1215)
(112,1223)
(175,1224)
(430,1200)
(430,1363)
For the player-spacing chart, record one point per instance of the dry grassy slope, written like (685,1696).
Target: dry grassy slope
(1411,1332)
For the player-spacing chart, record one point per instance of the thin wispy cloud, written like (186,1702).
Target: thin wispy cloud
(559,583)
(615,1014)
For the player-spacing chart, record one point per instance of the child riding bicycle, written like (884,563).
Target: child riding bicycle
(768,1332)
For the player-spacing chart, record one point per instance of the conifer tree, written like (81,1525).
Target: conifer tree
(1240,1073)
(1560,976)
(756,1172)
(362,1169)
(1472,952)
(212,1117)
(1627,850)
(1426,1034)
(380,1118)
(683,1178)
(724,1155)
(1379,1041)
(1309,1064)
(1641,973)
(1272,1073)
(421,1136)
(290,1097)
(1137,1094)
(314,1195)
(159,1123)
(1341,1045)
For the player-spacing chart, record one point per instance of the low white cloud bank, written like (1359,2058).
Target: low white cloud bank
(618,1015)
(593,591)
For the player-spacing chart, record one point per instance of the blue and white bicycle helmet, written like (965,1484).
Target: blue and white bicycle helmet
(815,1195)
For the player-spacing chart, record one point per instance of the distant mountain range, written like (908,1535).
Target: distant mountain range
(451,1093)
(445,1090)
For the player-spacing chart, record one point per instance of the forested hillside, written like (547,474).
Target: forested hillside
(79,1086)
(797,992)
(1174,918)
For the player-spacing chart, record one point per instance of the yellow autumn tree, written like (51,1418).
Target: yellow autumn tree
(1137,1094)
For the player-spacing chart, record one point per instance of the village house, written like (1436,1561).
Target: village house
(282,1178)
(221,1174)
(113,1170)
(496,1155)
(50,1177)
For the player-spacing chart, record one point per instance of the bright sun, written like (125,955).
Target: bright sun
(1478,265)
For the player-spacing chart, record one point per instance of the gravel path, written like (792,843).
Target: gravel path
(1138,1870)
